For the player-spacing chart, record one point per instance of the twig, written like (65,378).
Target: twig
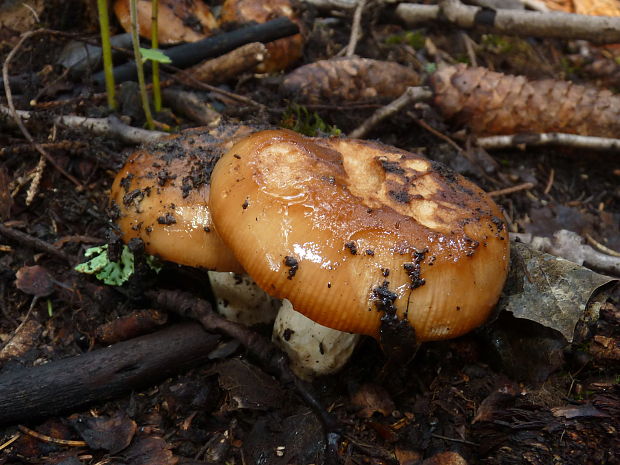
(510,190)
(36,180)
(15,115)
(355,28)
(14,438)
(345,5)
(186,78)
(270,357)
(550,138)
(462,441)
(435,132)
(597,29)
(49,439)
(549,182)
(601,247)
(32,242)
(189,54)
(110,126)
(412,94)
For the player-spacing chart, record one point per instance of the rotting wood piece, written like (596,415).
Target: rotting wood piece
(491,103)
(71,383)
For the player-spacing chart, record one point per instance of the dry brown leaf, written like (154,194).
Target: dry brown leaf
(491,103)
(178,20)
(349,80)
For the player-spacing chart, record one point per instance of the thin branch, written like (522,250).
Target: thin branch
(32,242)
(15,115)
(596,29)
(110,126)
(412,94)
(510,190)
(355,28)
(551,138)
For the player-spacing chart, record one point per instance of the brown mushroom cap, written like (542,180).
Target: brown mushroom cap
(178,20)
(350,230)
(161,196)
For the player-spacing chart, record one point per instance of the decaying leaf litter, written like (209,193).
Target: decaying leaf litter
(512,392)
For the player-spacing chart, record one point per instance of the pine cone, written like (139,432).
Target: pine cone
(349,80)
(491,103)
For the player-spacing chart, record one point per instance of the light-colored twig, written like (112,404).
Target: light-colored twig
(110,126)
(16,115)
(569,245)
(597,29)
(510,190)
(355,28)
(412,94)
(551,138)
(344,5)
(601,247)
(36,181)
(549,182)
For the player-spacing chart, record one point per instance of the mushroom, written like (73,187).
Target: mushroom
(161,196)
(358,235)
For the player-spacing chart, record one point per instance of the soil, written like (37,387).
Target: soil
(475,396)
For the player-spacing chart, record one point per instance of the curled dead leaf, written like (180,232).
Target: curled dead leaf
(34,280)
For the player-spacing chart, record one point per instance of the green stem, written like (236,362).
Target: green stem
(155,45)
(104,26)
(135,39)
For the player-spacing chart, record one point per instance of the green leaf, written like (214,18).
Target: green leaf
(112,273)
(154,54)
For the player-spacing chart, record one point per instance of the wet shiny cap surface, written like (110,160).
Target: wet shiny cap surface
(352,231)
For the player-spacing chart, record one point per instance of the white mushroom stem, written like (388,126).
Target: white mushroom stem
(239,299)
(313,350)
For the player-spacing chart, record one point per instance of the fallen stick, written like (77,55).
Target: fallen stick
(411,95)
(189,54)
(550,138)
(111,126)
(228,66)
(74,382)
(596,29)
(270,357)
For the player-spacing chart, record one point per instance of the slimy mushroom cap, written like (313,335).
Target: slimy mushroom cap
(161,196)
(352,231)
